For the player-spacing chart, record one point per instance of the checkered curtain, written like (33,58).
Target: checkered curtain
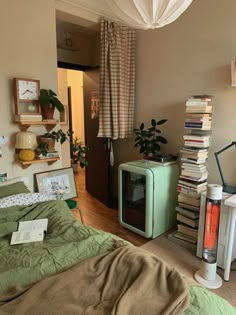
(117,81)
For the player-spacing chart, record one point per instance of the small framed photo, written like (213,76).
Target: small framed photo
(57,182)
(64,116)
(94,104)
(3,177)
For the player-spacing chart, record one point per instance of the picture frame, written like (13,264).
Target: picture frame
(56,182)
(64,116)
(94,104)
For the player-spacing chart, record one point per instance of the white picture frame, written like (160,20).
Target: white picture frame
(59,181)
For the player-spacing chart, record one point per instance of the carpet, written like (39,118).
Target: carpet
(187,263)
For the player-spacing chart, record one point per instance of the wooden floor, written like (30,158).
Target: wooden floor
(97,215)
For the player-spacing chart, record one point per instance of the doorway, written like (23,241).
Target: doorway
(81,52)
(78,88)
(70,91)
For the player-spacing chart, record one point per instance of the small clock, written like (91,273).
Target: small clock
(27,96)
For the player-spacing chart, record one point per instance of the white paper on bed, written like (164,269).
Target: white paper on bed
(33,225)
(30,231)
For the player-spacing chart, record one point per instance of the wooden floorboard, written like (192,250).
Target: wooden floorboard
(101,217)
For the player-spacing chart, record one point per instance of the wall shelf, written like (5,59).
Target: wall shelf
(50,161)
(24,125)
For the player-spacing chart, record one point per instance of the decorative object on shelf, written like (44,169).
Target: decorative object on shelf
(47,141)
(49,101)
(149,139)
(28,118)
(193,174)
(26,141)
(207,275)
(57,180)
(26,94)
(226,187)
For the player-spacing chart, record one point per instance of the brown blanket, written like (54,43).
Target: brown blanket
(128,281)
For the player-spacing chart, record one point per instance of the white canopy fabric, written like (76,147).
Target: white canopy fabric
(148,14)
(139,14)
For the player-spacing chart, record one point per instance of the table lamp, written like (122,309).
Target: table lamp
(26,142)
(226,188)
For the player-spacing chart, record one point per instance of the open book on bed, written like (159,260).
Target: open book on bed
(30,231)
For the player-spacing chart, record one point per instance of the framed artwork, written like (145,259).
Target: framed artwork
(233,72)
(57,182)
(64,116)
(94,104)
(3,177)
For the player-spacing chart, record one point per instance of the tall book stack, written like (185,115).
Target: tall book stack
(193,175)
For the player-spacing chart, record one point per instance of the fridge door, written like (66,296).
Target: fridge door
(136,199)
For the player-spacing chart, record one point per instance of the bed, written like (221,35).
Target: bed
(81,270)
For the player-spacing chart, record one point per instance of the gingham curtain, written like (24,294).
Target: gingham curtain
(117,81)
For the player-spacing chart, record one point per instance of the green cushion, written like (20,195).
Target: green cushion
(71,203)
(13,189)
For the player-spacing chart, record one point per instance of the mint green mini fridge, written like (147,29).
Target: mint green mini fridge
(147,197)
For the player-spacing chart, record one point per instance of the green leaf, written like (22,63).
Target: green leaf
(161,122)
(161,139)
(153,122)
(141,126)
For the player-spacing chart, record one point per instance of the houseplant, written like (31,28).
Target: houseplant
(78,153)
(49,101)
(46,142)
(148,139)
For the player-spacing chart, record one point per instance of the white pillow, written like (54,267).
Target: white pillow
(15,180)
(25,199)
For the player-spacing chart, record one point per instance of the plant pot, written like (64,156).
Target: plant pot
(50,142)
(148,156)
(75,167)
(48,112)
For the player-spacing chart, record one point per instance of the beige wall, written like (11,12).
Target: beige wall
(190,56)
(28,50)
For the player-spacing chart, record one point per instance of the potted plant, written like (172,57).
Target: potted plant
(49,101)
(149,139)
(78,153)
(46,142)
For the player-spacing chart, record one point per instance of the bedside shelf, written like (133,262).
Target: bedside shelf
(50,161)
(24,125)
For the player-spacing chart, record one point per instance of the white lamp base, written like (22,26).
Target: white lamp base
(216,283)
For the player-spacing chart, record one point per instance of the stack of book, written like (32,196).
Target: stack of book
(198,121)
(196,140)
(199,105)
(30,117)
(193,175)
(48,155)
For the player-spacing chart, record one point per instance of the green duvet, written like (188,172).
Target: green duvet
(67,243)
